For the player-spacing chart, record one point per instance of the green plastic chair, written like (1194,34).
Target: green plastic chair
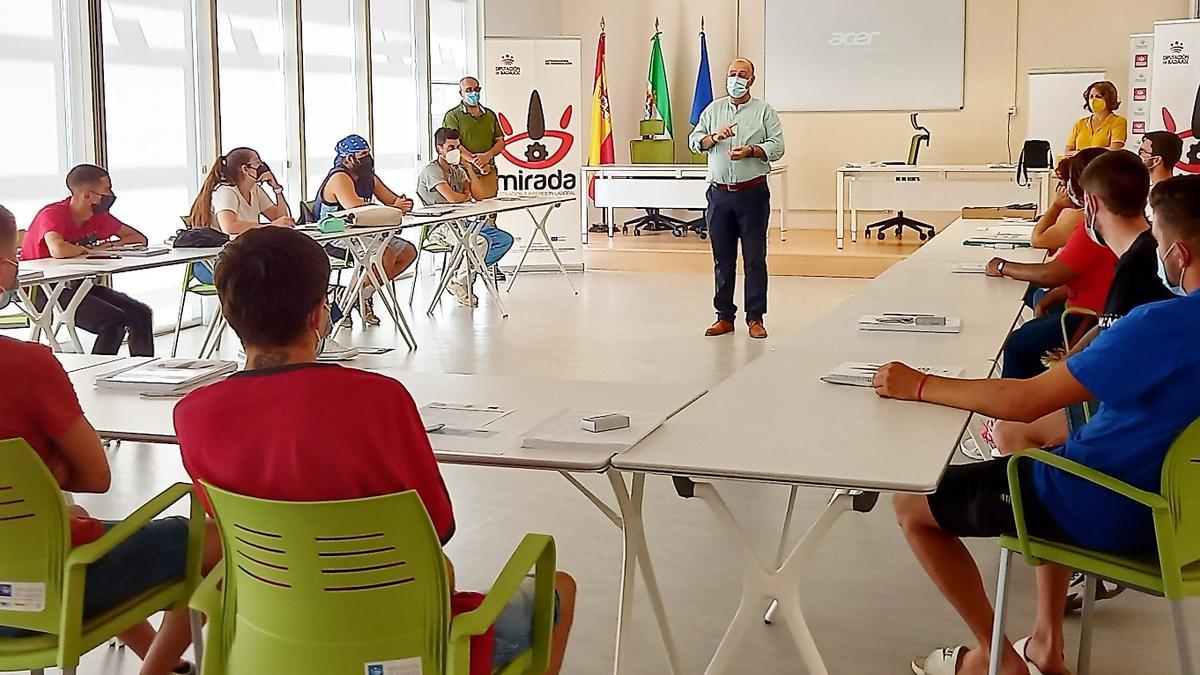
(191,286)
(336,587)
(34,513)
(1175,574)
(425,245)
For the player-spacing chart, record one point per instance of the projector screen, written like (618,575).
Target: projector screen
(865,54)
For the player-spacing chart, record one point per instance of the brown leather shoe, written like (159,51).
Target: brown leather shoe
(721,327)
(757,330)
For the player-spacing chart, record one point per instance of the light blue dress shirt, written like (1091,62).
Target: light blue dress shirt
(757,124)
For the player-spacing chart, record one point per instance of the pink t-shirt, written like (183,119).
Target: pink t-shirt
(56,217)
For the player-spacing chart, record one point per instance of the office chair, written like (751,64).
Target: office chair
(900,221)
(651,150)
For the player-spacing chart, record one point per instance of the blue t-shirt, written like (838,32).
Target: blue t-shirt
(1145,371)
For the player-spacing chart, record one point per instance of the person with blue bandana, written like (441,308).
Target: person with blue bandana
(741,135)
(351,183)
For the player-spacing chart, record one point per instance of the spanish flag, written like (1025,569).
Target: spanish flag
(601,149)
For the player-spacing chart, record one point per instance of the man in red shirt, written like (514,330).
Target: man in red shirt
(82,224)
(320,432)
(47,415)
(1081,274)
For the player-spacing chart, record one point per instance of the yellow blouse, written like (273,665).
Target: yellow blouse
(1112,130)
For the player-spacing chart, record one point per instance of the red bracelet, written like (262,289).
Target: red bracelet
(921,386)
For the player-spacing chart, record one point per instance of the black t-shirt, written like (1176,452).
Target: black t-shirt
(1135,282)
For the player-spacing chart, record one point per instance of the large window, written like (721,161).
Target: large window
(254,89)
(453,50)
(34,130)
(397,137)
(330,91)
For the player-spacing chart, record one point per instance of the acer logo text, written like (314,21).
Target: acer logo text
(852,39)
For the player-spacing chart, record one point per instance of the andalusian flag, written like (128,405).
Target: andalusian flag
(658,99)
(601,150)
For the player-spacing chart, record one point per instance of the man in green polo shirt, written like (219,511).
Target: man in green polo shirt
(482,138)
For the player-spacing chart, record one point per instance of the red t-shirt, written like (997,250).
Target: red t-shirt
(311,432)
(1095,265)
(44,409)
(57,217)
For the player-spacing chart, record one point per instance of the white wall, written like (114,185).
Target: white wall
(523,18)
(1005,39)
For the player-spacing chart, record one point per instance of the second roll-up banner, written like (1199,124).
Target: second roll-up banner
(1175,92)
(533,85)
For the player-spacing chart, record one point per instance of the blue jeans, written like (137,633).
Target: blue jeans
(152,556)
(499,243)
(1026,345)
(513,631)
(201,273)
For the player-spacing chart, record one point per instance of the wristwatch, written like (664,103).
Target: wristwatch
(1000,267)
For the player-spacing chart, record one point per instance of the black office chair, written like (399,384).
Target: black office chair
(901,221)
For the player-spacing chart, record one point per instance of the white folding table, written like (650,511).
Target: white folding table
(57,274)
(665,186)
(892,187)
(125,416)
(808,433)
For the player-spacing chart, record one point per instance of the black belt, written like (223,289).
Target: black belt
(738,187)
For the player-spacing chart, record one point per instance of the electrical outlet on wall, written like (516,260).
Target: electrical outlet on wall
(1012,110)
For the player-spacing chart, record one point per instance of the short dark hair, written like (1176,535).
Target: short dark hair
(8,225)
(445,134)
(1166,146)
(1120,180)
(1070,169)
(1176,204)
(269,280)
(85,176)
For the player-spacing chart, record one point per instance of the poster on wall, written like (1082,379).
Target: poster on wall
(1141,51)
(1175,97)
(533,85)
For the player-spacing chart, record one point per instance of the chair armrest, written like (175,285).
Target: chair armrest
(90,553)
(536,552)
(207,597)
(1157,505)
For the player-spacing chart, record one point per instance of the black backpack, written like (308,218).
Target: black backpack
(200,237)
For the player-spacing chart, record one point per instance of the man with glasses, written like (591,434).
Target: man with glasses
(482,138)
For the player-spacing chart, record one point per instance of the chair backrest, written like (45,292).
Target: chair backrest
(1181,488)
(328,587)
(306,211)
(656,151)
(34,540)
(699,158)
(651,128)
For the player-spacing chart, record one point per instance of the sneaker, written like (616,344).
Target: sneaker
(346,322)
(1104,591)
(969,447)
(458,288)
(332,350)
(369,316)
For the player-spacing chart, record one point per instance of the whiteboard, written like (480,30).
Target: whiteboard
(1056,103)
(865,54)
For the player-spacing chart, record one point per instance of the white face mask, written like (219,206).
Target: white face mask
(453,156)
(737,86)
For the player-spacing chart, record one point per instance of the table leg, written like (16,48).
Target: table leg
(67,316)
(637,553)
(782,582)
(42,321)
(841,210)
(539,227)
(783,204)
(610,219)
(451,264)
(782,550)
(853,211)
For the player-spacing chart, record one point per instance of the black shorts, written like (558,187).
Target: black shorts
(973,501)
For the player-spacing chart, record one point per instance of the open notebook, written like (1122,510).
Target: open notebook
(856,374)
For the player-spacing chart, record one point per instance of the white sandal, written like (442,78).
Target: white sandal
(942,661)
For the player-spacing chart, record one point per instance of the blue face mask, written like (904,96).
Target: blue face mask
(1162,274)
(737,86)
(471,97)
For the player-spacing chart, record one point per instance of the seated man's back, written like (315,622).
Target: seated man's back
(311,432)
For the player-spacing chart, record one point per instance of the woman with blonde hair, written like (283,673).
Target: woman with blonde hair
(1103,127)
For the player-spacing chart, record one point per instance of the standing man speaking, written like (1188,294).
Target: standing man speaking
(742,136)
